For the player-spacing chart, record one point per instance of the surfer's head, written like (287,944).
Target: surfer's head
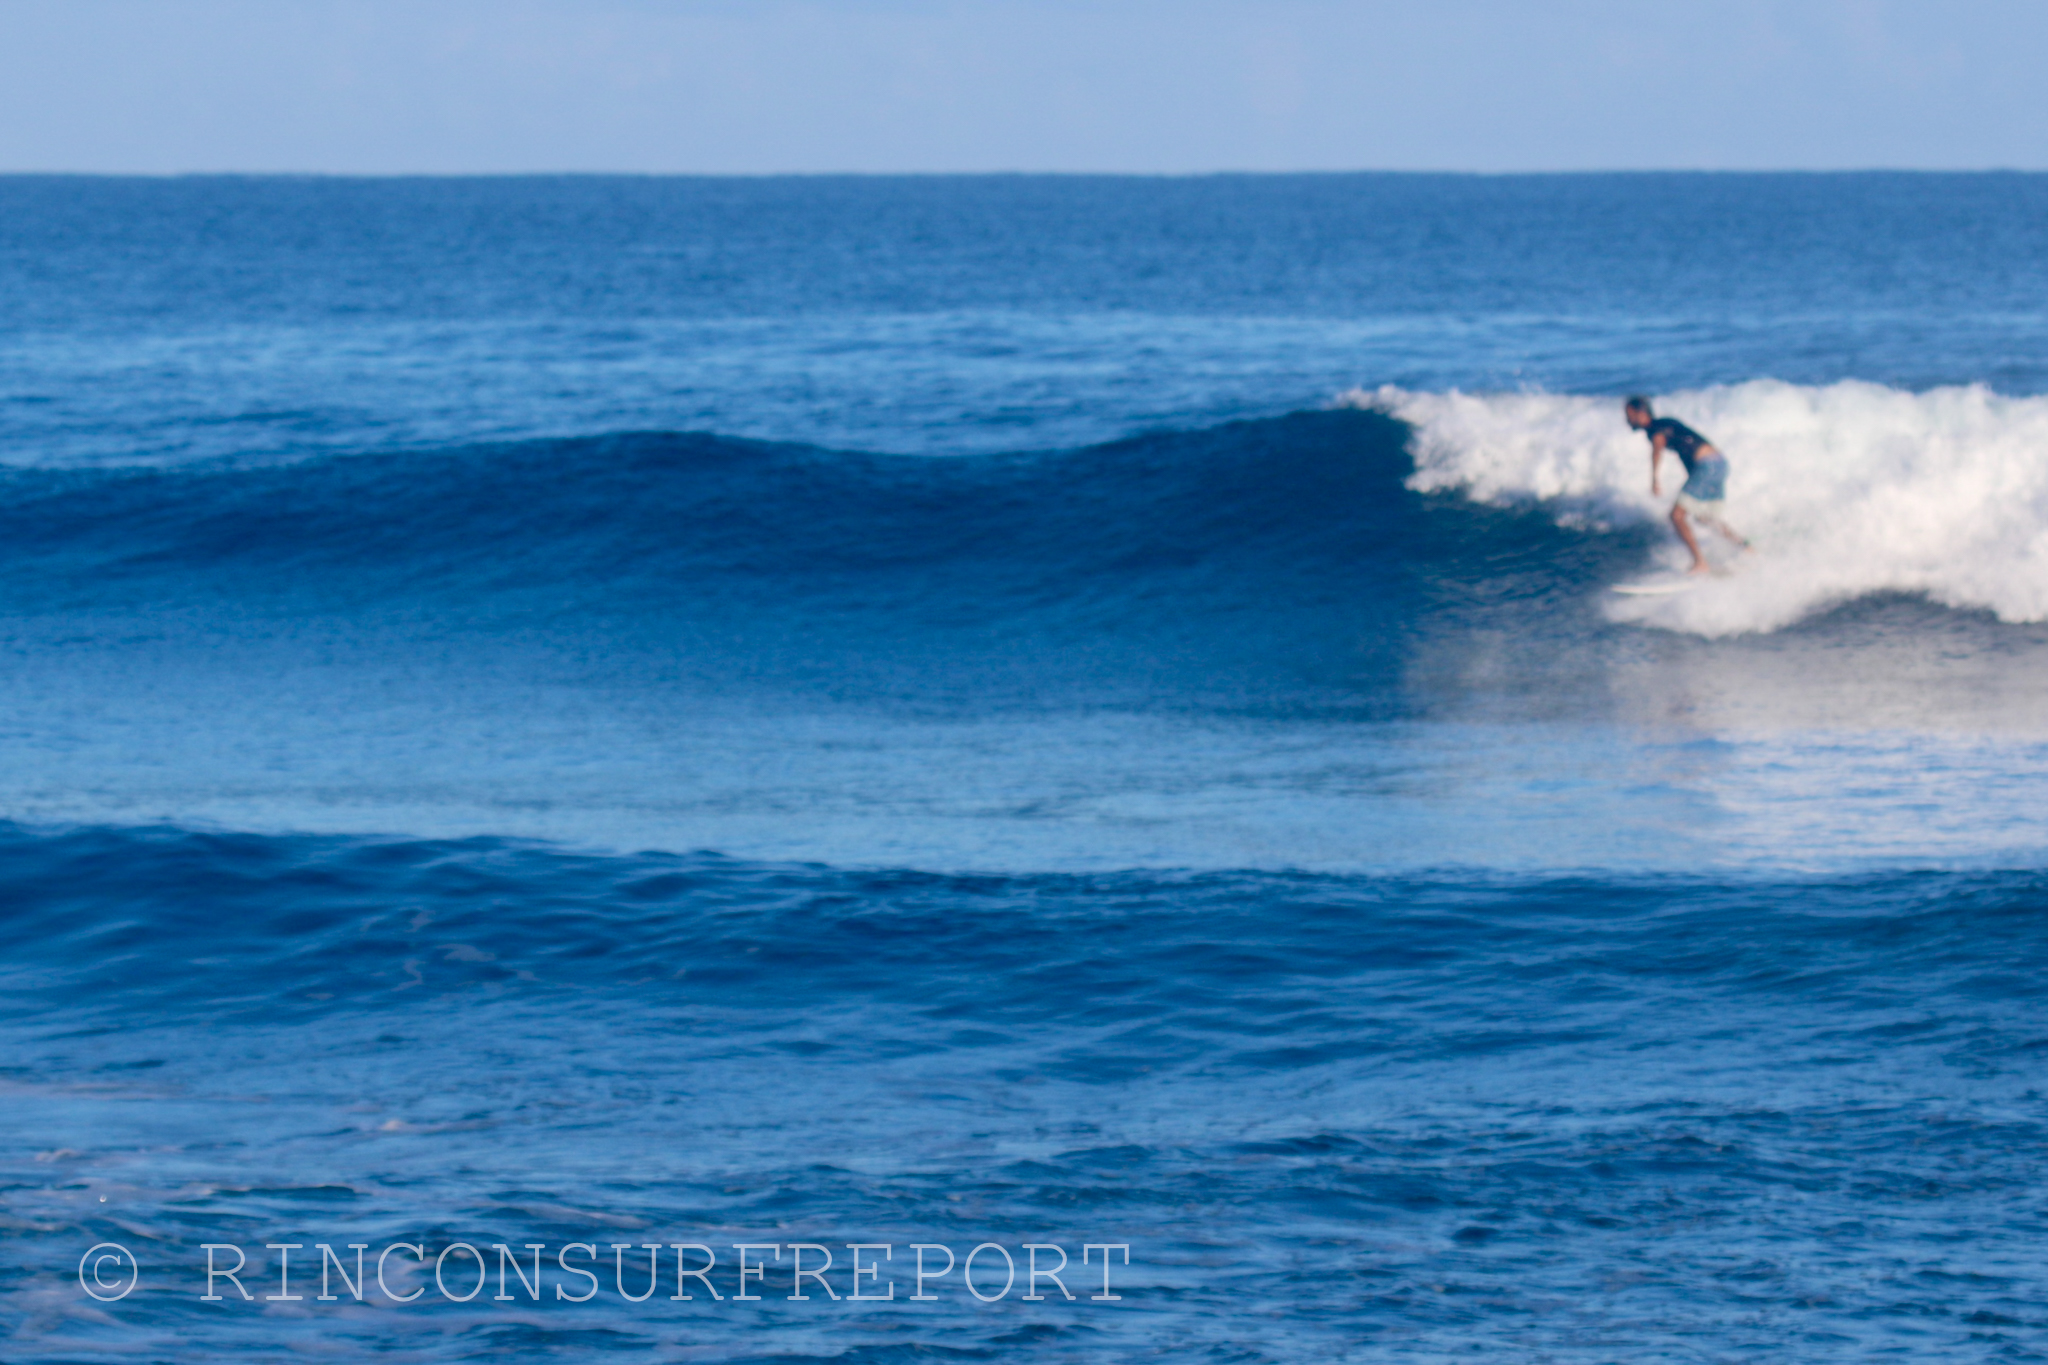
(1637,411)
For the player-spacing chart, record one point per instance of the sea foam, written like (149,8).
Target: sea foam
(1846,490)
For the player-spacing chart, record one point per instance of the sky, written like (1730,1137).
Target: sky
(721,86)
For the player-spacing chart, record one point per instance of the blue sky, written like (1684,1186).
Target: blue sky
(967,85)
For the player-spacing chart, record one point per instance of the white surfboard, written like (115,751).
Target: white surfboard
(1659,587)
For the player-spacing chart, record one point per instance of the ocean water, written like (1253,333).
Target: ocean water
(651,717)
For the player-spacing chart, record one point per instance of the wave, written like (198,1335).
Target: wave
(1327,546)
(326,922)
(1517,1085)
(673,640)
(1301,527)
(1848,491)
(1298,491)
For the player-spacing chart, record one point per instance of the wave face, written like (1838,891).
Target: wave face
(1194,558)
(1847,491)
(644,514)
(1396,508)
(1313,550)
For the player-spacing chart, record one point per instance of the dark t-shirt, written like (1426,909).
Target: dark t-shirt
(1680,439)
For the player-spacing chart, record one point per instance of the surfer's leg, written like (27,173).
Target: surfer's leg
(1725,529)
(1683,526)
(1705,485)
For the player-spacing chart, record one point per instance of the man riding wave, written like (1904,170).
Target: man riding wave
(1706,476)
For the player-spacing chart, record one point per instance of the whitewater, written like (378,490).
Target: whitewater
(1000,711)
(1851,490)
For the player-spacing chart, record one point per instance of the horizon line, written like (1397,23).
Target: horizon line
(1219,173)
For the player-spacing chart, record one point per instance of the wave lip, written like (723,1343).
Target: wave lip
(1848,490)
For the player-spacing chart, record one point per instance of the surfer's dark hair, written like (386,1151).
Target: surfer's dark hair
(1638,403)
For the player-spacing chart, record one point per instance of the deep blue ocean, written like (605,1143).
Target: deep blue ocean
(643,718)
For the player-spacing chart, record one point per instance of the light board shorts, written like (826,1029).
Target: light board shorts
(1706,488)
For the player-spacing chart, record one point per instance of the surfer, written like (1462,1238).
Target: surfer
(1706,476)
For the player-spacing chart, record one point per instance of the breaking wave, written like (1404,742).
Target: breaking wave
(1847,491)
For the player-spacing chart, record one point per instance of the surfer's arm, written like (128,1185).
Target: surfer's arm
(1656,458)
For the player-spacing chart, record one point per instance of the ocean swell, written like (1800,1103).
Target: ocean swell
(1298,527)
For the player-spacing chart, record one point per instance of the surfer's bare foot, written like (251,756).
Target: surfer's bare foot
(1700,568)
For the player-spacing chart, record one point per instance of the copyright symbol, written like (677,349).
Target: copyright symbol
(104,1259)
